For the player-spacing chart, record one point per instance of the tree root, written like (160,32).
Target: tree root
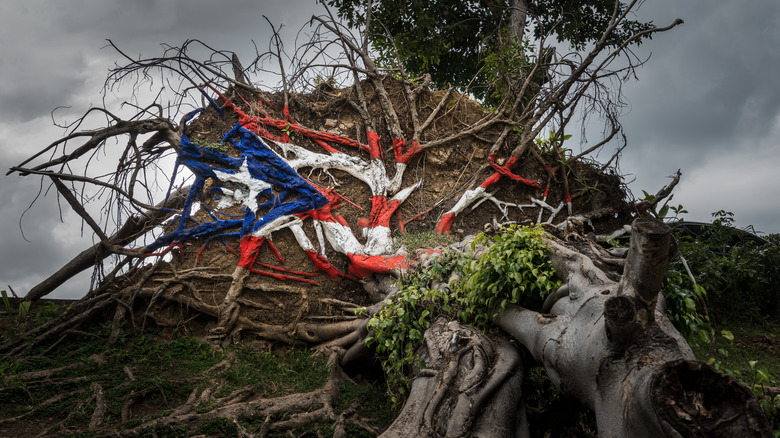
(298,409)
(467,386)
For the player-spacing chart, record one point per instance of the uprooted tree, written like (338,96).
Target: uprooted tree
(283,218)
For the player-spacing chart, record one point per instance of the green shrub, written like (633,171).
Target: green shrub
(742,281)
(514,270)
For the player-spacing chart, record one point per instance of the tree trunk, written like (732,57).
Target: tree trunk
(470,387)
(517,15)
(608,345)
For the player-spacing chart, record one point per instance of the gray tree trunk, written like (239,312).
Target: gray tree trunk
(470,387)
(517,16)
(610,345)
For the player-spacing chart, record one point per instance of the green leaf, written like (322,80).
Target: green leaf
(763,375)
(727,334)
(664,211)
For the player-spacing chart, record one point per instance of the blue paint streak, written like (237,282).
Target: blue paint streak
(296,195)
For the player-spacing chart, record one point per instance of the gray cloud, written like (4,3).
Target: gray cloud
(709,81)
(708,102)
(54,55)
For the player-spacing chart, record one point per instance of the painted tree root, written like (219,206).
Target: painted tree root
(470,386)
(609,345)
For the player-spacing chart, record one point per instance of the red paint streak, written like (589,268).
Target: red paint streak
(287,116)
(505,170)
(289,271)
(402,155)
(282,276)
(324,213)
(374,148)
(323,265)
(167,250)
(249,246)
(400,222)
(382,211)
(363,265)
(428,251)
(418,215)
(445,223)
(254,123)
(491,180)
(275,251)
(327,147)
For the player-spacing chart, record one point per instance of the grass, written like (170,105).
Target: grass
(428,239)
(286,371)
(752,357)
(753,341)
(169,368)
(175,366)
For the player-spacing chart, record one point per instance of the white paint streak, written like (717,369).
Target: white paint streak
(252,187)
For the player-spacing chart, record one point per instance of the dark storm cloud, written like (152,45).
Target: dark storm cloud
(54,54)
(706,102)
(46,244)
(711,80)
(50,48)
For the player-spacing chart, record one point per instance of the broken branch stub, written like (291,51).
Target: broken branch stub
(645,266)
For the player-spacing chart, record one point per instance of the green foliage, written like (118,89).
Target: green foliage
(663,212)
(741,277)
(685,301)
(455,41)
(289,132)
(748,360)
(29,317)
(742,282)
(514,270)
(738,282)
(398,329)
(552,144)
(6,302)
(505,67)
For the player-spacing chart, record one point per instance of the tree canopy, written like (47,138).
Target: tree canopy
(468,42)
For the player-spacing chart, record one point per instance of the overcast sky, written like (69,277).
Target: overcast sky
(707,102)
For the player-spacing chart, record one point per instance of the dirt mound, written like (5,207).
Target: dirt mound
(287,289)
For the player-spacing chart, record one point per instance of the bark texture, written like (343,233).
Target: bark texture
(471,386)
(609,345)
